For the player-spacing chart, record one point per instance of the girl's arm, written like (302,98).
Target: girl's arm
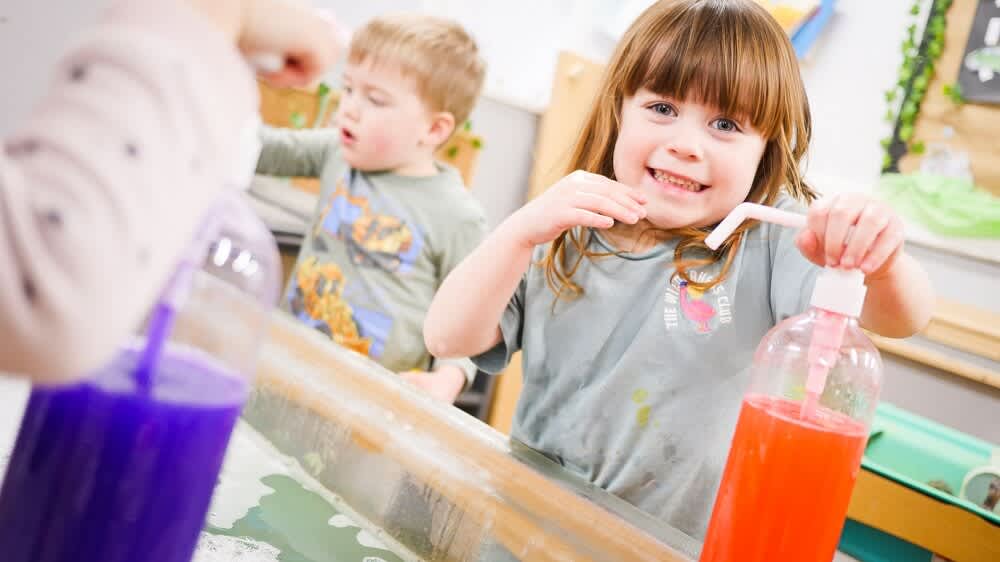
(464,318)
(900,301)
(103,184)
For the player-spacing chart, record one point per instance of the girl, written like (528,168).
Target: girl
(102,186)
(636,338)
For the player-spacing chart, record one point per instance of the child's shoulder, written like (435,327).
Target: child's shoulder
(454,205)
(788,203)
(440,202)
(443,193)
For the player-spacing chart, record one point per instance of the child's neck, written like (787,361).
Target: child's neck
(635,238)
(419,167)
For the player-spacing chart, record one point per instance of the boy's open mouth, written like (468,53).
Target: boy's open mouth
(675,180)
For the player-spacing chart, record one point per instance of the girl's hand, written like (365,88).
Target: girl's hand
(852,231)
(308,42)
(579,199)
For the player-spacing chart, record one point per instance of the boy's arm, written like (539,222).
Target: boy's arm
(454,368)
(287,152)
(900,301)
(445,383)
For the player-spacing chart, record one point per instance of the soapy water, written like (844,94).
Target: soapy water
(254,477)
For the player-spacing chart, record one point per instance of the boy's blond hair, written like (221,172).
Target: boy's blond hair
(437,53)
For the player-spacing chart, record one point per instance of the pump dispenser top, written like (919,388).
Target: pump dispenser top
(839,292)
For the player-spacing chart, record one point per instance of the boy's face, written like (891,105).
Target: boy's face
(382,122)
(692,163)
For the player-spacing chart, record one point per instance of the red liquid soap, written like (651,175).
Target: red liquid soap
(786,486)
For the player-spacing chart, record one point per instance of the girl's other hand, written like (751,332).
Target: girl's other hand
(305,41)
(579,199)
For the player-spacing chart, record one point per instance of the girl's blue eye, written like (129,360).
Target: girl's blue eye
(726,125)
(663,109)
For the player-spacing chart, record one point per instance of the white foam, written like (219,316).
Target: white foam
(340,521)
(240,487)
(366,539)
(216,548)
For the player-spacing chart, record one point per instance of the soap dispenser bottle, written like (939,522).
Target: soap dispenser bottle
(802,427)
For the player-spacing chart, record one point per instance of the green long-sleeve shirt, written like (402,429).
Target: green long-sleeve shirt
(377,249)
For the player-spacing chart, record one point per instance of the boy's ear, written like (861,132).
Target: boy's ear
(442,125)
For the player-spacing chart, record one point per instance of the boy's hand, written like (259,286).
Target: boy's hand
(579,199)
(444,384)
(850,231)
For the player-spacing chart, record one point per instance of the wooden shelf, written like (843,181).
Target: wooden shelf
(958,326)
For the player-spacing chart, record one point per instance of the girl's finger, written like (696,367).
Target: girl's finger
(628,201)
(888,243)
(583,217)
(808,243)
(871,222)
(611,188)
(816,221)
(631,192)
(605,205)
(843,214)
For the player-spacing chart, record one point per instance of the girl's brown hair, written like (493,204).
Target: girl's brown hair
(730,54)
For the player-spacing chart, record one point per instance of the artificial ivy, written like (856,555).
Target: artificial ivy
(915,75)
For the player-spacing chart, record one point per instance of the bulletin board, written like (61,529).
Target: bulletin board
(971,125)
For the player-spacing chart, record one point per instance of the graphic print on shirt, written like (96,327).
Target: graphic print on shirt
(704,311)
(316,298)
(373,239)
(349,310)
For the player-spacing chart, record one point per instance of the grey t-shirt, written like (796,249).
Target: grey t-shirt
(377,249)
(637,384)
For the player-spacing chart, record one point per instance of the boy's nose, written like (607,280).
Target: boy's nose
(348,107)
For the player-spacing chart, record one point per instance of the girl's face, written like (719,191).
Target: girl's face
(693,163)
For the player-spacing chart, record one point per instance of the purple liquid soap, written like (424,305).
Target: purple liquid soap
(120,468)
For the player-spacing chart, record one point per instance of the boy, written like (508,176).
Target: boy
(391,222)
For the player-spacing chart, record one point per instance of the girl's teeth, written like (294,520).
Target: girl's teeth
(689,185)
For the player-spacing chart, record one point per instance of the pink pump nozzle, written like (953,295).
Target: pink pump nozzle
(839,294)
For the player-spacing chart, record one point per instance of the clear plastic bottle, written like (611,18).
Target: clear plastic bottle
(121,467)
(801,432)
